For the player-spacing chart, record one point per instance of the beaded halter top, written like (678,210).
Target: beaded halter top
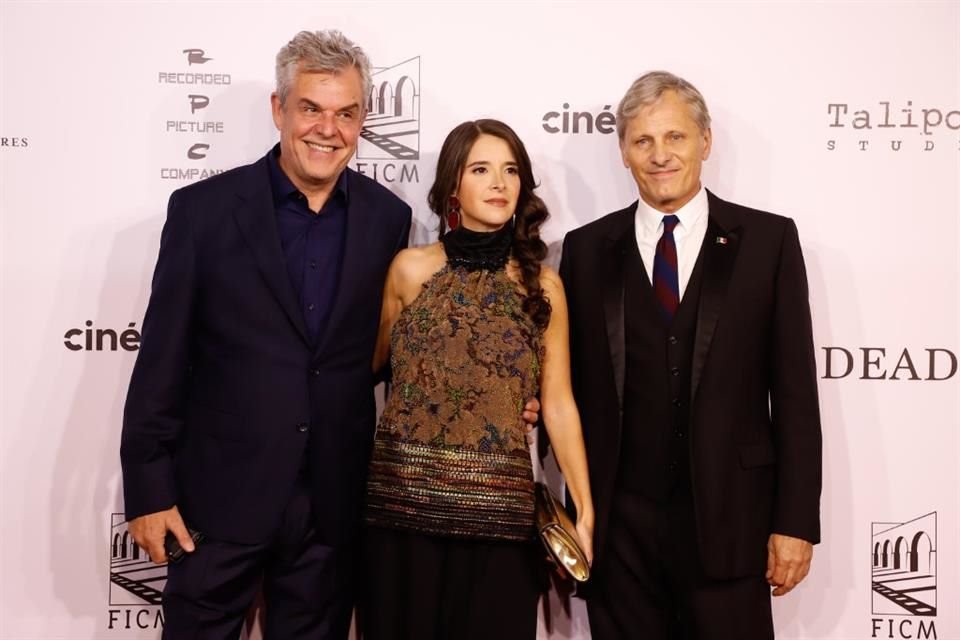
(450,455)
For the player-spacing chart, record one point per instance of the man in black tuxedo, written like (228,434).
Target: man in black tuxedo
(250,411)
(694,372)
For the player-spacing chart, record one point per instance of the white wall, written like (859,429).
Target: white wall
(85,144)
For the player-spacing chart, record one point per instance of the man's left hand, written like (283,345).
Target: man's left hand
(531,414)
(788,562)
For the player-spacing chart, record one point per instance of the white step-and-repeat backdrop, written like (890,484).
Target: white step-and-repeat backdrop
(844,116)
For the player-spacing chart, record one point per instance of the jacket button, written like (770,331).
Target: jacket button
(675,371)
(672,339)
(314,372)
(303,427)
(678,433)
(676,402)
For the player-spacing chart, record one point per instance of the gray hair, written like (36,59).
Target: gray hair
(321,51)
(648,88)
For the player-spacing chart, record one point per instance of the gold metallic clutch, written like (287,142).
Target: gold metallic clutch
(559,535)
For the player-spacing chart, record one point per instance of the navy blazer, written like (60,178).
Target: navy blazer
(755,441)
(229,396)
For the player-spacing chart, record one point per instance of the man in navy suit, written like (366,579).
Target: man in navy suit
(250,411)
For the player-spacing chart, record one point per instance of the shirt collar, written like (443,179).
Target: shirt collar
(284,189)
(649,219)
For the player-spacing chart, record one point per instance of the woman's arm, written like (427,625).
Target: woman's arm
(560,414)
(389,310)
(410,269)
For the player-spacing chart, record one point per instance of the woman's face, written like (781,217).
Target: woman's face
(489,185)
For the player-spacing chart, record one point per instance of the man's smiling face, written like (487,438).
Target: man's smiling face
(319,124)
(664,149)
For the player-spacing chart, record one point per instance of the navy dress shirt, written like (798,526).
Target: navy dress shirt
(312,243)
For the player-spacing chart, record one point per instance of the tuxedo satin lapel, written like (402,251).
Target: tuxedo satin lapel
(614,252)
(256,217)
(720,253)
(360,223)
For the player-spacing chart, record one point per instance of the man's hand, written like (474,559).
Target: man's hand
(531,414)
(150,530)
(788,562)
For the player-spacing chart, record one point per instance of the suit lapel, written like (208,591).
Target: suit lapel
(720,249)
(256,219)
(615,249)
(361,222)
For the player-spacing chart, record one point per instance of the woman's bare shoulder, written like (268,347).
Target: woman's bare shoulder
(550,283)
(412,267)
(549,278)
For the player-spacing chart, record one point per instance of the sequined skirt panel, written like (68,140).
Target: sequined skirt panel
(450,492)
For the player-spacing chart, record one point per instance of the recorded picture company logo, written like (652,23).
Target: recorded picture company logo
(14,142)
(904,578)
(196,56)
(136,583)
(880,363)
(392,128)
(575,122)
(193,124)
(892,126)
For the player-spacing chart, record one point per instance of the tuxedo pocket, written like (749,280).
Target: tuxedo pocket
(760,454)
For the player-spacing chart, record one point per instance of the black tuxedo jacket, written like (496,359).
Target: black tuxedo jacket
(228,396)
(755,444)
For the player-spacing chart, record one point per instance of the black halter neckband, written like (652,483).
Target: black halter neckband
(477,250)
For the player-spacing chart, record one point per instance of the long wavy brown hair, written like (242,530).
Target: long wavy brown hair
(527,249)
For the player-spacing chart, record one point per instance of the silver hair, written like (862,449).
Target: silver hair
(648,88)
(324,51)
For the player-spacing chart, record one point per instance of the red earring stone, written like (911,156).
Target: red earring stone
(453,213)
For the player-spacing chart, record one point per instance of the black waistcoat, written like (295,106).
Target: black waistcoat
(654,452)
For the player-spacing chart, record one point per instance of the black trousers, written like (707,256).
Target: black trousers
(308,587)
(650,583)
(419,587)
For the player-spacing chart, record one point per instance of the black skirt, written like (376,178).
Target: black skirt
(422,587)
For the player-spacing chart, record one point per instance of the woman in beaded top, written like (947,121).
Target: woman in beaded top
(473,325)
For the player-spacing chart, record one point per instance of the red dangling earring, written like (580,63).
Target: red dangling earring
(453,213)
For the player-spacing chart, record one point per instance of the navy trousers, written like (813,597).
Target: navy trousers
(308,587)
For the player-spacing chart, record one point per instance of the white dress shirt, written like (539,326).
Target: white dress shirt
(688,234)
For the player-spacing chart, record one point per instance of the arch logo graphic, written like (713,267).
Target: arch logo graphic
(904,561)
(392,128)
(134,579)
(136,583)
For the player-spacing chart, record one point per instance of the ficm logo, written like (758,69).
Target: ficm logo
(392,127)
(136,583)
(904,577)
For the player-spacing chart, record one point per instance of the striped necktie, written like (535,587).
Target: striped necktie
(666,284)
